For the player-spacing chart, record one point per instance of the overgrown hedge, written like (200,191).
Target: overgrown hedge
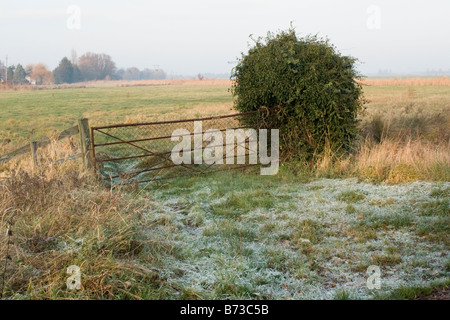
(309,89)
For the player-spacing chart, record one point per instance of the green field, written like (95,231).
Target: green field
(43,111)
(306,233)
(33,114)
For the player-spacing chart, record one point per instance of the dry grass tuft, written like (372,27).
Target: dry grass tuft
(405,158)
(395,161)
(61,216)
(402,139)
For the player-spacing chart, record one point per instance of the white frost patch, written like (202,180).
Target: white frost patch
(267,256)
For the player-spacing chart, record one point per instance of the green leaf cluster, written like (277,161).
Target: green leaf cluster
(310,90)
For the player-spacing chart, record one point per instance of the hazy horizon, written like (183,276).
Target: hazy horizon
(187,38)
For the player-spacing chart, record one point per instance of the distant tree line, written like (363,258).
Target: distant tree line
(134,73)
(14,74)
(89,67)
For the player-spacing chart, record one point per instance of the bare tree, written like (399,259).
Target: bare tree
(95,66)
(132,73)
(41,74)
(74,57)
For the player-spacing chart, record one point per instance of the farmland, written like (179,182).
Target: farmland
(33,113)
(47,110)
(310,232)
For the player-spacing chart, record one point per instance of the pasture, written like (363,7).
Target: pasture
(310,232)
(35,113)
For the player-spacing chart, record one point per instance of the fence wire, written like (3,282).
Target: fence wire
(141,152)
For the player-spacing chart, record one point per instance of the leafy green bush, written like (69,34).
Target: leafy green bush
(309,90)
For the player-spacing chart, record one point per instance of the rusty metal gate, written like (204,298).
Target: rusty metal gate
(141,152)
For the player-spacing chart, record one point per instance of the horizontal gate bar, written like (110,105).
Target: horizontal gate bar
(135,173)
(174,121)
(181,176)
(159,138)
(166,152)
(143,171)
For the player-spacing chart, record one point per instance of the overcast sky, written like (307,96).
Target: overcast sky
(191,37)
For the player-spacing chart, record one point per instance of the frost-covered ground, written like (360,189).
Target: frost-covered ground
(252,237)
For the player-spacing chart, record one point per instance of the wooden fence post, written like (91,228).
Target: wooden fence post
(83,125)
(33,147)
